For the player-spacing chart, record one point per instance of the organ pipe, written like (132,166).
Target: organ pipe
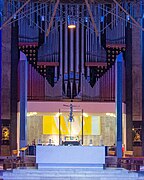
(55,74)
(88,42)
(71,51)
(66,44)
(77,53)
(71,60)
(61,45)
(45,19)
(77,43)
(88,50)
(66,53)
(82,43)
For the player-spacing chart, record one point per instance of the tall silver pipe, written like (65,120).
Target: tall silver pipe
(94,36)
(55,50)
(71,60)
(30,16)
(86,45)
(82,51)
(93,51)
(61,46)
(54,46)
(88,51)
(88,42)
(77,53)
(50,47)
(71,51)
(55,75)
(90,45)
(66,44)
(88,73)
(82,43)
(37,14)
(66,53)
(77,43)
(45,19)
(71,88)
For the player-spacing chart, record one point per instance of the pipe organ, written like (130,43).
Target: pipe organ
(78,56)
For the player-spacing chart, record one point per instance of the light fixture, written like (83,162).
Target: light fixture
(14,16)
(58,114)
(31,114)
(85,114)
(110,114)
(42,18)
(128,17)
(71,22)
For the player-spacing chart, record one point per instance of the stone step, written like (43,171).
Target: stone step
(71,174)
(72,170)
(79,172)
(72,178)
(65,176)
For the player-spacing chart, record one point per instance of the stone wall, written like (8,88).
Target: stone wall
(106,137)
(6,79)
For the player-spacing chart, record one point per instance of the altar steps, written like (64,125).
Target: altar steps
(71,174)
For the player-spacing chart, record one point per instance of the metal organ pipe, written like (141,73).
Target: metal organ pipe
(45,19)
(87,47)
(92,49)
(71,60)
(50,47)
(88,41)
(71,52)
(57,40)
(94,36)
(55,47)
(82,51)
(82,43)
(55,75)
(77,53)
(66,53)
(61,46)
(89,44)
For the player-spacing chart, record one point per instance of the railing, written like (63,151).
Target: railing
(82,98)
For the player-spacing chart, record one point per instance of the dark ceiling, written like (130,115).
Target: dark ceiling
(80,1)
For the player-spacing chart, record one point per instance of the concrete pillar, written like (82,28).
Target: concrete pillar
(0,69)
(142,41)
(23,100)
(118,102)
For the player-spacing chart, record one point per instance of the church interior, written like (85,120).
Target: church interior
(58,73)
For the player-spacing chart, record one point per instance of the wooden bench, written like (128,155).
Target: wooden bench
(131,163)
(128,154)
(11,162)
(111,161)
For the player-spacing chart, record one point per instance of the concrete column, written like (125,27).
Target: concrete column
(142,41)
(128,87)
(118,102)
(0,69)
(23,100)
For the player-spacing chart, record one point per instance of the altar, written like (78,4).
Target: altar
(70,156)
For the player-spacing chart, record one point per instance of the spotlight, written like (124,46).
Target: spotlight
(42,18)
(71,23)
